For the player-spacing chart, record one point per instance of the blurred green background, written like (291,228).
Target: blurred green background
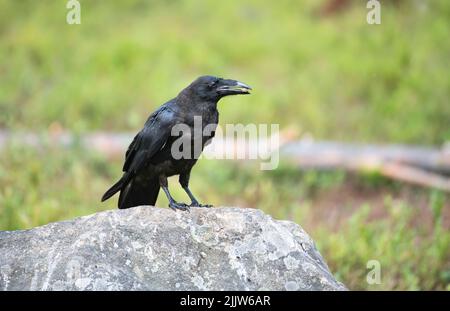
(320,69)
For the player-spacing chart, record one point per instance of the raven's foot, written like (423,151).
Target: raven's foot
(180,206)
(196,204)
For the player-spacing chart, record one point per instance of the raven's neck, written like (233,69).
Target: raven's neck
(190,102)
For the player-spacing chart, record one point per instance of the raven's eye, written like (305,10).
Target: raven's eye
(213,83)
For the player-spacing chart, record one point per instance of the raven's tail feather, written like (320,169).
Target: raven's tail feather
(114,189)
(139,193)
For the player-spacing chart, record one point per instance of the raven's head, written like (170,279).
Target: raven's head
(212,88)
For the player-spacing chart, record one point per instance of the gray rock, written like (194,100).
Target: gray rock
(148,248)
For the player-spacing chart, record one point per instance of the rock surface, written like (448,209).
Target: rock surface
(148,248)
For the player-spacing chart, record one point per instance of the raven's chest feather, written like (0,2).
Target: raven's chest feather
(190,134)
(204,119)
(206,114)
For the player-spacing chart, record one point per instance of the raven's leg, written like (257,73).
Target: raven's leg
(172,203)
(184,182)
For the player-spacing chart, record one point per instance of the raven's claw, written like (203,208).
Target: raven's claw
(180,206)
(196,204)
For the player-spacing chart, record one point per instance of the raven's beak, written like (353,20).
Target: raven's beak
(233,87)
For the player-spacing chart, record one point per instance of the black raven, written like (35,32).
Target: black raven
(150,159)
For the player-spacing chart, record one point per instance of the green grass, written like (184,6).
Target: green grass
(333,77)
(410,257)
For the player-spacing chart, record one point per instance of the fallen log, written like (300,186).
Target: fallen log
(429,167)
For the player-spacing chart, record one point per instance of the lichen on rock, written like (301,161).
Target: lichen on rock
(149,248)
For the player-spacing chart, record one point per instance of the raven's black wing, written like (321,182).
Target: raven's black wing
(149,140)
(144,146)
